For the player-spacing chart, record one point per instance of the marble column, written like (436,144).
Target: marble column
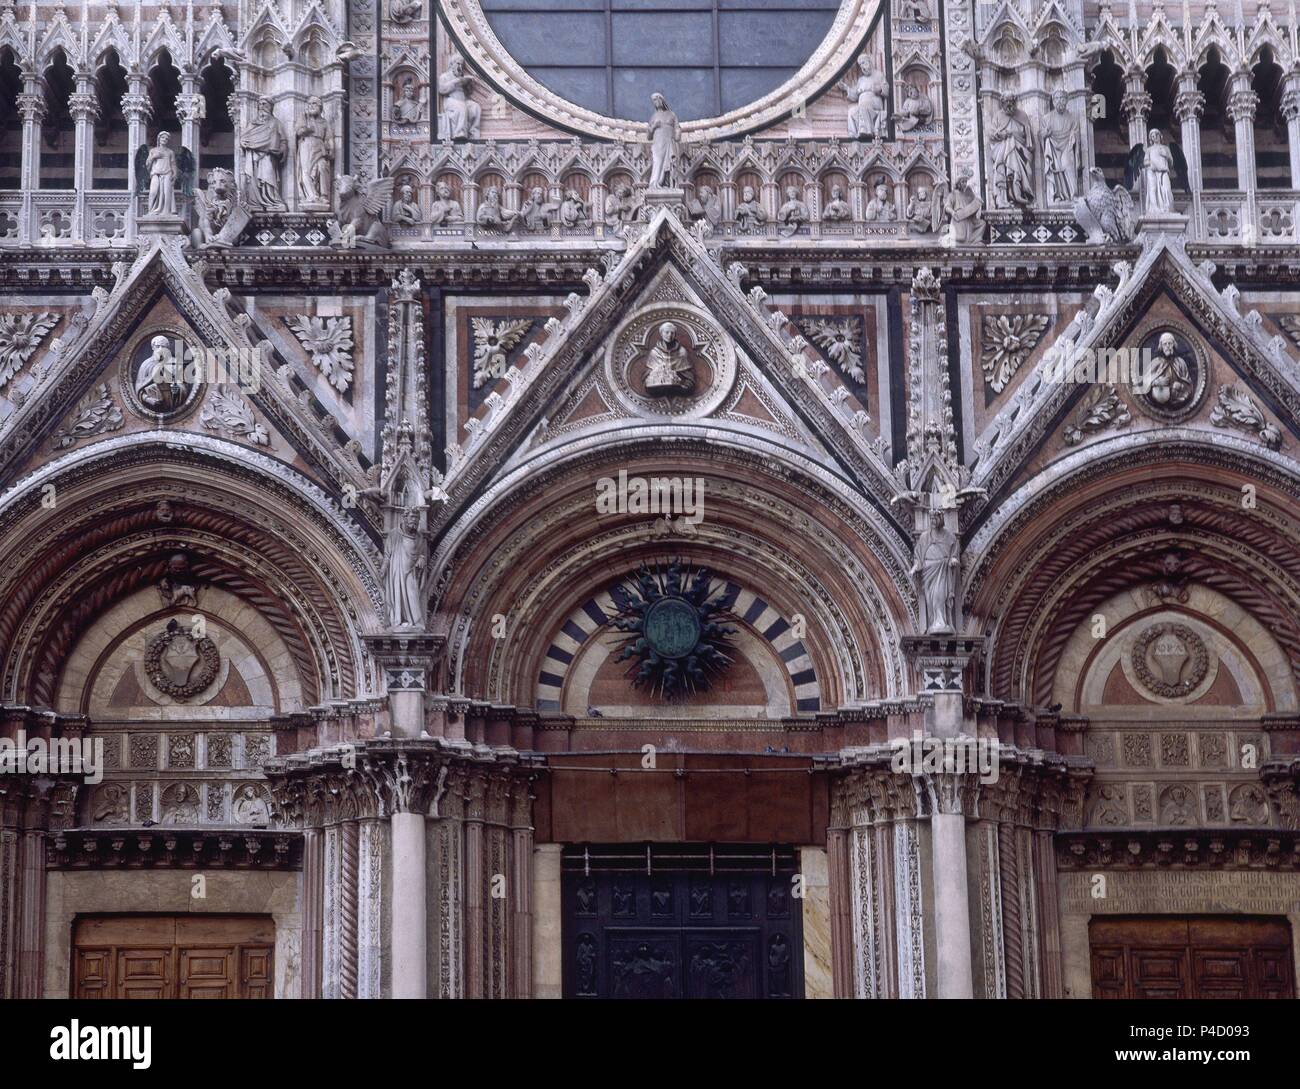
(31,107)
(410,968)
(1135,107)
(1291,111)
(84,107)
(313,878)
(1242,103)
(135,108)
(1188,108)
(951,905)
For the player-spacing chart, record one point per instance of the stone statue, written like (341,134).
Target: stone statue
(403,571)
(1157,163)
(869,114)
(881,208)
(1105,213)
(161,165)
(405,11)
(489,211)
(621,206)
(918,11)
(668,366)
(249,807)
(315,156)
(360,213)
(406,209)
(964,213)
(665,142)
(1061,149)
(707,205)
(837,209)
(935,564)
(573,210)
(460,114)
(265,148)
(446,207)
(916,109)
(221,217)
(749,212)
(535,213)
(407,109)
(793,213)
(1012,157)
(1168,378)
(160,382)
(923,212)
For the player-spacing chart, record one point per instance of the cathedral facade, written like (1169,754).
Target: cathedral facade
(597,499)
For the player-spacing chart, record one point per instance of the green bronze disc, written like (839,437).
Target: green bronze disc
(672,627)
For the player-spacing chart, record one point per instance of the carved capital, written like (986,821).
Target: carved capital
(83,106)
(1135,106)
(1189,106)
(191,107)
(1291,104)
(1242,105)
(135,107)
(31,107)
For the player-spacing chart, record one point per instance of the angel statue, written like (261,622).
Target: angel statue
(1105,213)
(1152,164)
(360,210)
(158,171)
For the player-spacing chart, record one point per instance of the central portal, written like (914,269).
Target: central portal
(682,921)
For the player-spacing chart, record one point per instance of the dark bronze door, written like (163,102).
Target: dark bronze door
(682,922)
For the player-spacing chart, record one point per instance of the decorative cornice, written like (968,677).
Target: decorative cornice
(174,848)
(1225,849)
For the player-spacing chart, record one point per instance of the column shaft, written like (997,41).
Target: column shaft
(951,905)
(410,923)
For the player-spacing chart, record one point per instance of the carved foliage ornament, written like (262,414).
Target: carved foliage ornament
(329,343)
(841,342)
(1170,660)
(20,336)
(95,413)
(493,342)
(178,664)
(1006,343)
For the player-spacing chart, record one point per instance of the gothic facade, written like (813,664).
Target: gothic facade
(588,499)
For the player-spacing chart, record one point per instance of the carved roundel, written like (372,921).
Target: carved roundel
(669,360)
(161,375)
(178,664)
(1172,374)
(1170,660)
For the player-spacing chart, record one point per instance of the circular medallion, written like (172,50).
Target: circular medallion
(1170,660)
(160,376)
(672,627)
(1170,376)
(178,664)
(669,360)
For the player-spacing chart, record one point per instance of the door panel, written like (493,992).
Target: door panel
(203,957)
(670,922)
(1191,957)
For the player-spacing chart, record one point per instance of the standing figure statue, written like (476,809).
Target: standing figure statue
(869,114)
(315,156)
(1158,166)
(935,564)
(1013,157)
(665,143)
(265,148)
(963,211)
(460,114)
(1061,149)
(404,570)
(161,165)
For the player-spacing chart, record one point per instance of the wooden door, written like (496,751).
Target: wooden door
(173,956)
(1191,957)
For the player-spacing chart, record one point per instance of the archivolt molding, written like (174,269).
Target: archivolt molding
(739,478)
(470,32)
(285,523)
(1116,537)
